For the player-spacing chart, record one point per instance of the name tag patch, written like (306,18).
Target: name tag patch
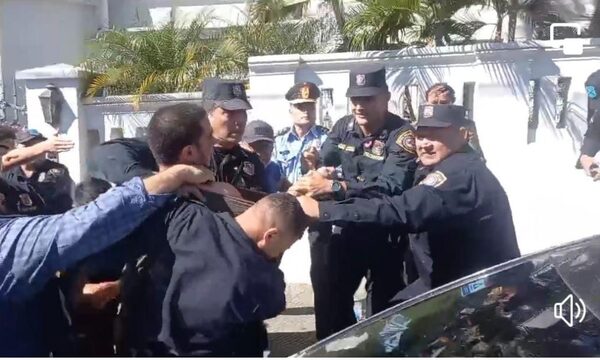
(345,147)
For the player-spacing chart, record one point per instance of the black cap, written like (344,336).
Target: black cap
(226,94)
(304,92)
(367,81)
(442,116)
(26,136)
(258,130)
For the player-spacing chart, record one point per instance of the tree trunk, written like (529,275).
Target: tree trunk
(499,22)
(512,24)
(595,23)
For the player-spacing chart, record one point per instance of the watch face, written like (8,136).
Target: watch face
(336,186)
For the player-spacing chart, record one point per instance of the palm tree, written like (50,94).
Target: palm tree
(270,11)
(270,30)
(378,24)
(168,59)
(293,37)
(436,25)
(502,9)
(594,30)
(388,24)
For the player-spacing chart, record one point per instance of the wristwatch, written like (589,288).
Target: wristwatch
(337,189)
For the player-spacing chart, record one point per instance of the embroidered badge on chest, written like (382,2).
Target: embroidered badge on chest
(378,147)
(406,140)
(248,168)
(435,179)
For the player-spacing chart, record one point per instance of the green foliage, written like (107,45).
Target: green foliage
(393,24)
(169,59)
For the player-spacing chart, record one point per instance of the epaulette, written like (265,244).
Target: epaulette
(283,131)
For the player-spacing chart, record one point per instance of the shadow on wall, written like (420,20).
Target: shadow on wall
(67,118)
(306,73)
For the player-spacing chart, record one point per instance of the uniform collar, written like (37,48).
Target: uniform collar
(389,124)
(291,135)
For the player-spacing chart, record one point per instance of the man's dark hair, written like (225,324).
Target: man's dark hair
(172,128)
(441,88)
(288,212)
(87,191)
(7,133)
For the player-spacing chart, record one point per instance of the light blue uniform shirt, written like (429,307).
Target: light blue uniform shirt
(289,148)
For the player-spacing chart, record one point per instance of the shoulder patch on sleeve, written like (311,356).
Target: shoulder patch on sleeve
(435,179)
(406,140)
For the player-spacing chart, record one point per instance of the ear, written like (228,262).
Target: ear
(266,242)
(388,96)
(187,153)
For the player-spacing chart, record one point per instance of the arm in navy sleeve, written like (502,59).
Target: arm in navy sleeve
(396,176)
(33,249)
(415,210)
(591,140)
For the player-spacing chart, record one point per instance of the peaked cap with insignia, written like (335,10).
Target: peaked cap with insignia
(304,92)
(226,94)
(442,116)
(368,80)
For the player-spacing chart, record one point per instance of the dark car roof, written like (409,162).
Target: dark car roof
(568,248)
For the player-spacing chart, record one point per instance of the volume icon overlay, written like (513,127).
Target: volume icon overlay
(570,311)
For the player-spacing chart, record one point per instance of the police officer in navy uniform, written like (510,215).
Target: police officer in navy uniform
(120,160)
(591,139)
(297,147)
(369,152)
(458,215)
(226,103)
(19,199)
(50,180)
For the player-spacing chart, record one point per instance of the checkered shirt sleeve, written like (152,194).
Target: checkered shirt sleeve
(33,249)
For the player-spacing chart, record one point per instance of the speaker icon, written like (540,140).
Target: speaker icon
(569,310)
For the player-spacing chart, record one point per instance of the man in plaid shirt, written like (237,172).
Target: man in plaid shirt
(33,249)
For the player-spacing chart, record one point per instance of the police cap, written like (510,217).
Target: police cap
(26,136)
(442,116)
(226,94)
(367,81)
(258,130)
(304,92)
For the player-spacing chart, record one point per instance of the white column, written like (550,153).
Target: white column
(67,79)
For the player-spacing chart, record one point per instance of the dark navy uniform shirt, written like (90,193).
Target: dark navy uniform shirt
(222,287)
(50,180)
(591,140)
(239,168)
(460,215)
(120,160)
(384,162)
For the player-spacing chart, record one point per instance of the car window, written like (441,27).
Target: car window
(506,311)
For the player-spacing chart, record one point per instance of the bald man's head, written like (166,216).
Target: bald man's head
(275,222)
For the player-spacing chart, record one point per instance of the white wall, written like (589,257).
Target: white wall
(42,32)
(104,113)
(549,197)
(152,13)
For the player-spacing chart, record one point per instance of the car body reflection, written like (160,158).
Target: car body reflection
(507,310)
